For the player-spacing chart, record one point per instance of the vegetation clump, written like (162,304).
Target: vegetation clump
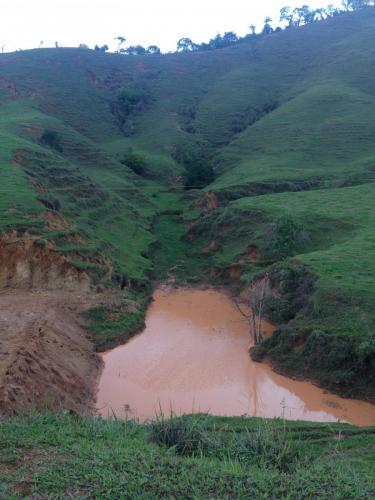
(51,139)
(269,446)
(198,167)
(130,102)
(284,238)
(187,435)
(115,322)
(136,162)
(293,286)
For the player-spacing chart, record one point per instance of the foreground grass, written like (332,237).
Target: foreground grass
(65,456)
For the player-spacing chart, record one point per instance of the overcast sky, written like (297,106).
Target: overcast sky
(24,23)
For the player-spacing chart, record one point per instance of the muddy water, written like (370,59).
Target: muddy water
(193,356)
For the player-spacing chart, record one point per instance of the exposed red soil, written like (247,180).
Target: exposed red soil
(97,82)
(234,272)
(54,221)
(19,156)
(208,202)
(28,263)
(214,246)
(76,238)
(46,358)
(252,255)
(188,223)
(10,86)
(215,272)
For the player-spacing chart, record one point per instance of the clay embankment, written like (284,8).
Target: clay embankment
(28,264)
(45,356)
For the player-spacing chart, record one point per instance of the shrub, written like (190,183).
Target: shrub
(131,101)
(257,353)
(199,173)
(51,139)
(270,446)
(284,238)
(136,162)
(187,435)
(197,164)
(294,285)
(51,203)
(41,243)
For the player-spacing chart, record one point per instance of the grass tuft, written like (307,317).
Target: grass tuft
(187,435)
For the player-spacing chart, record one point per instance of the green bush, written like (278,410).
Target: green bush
(137,162)
(294,286)
(341,363)
(51,139)
(257,352)
(187,435)
(197,165)
(284,238)
(133,100)
(115,324)
(269,446)
(50,202)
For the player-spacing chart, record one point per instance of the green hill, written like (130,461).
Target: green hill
(286,122)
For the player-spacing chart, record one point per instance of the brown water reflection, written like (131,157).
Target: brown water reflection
(193,356)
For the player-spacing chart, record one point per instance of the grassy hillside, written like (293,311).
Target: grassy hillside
(334,329)
(63,456)
(101,143)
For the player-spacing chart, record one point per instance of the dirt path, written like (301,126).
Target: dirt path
(45,355)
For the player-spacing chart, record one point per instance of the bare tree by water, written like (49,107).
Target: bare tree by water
(254,304)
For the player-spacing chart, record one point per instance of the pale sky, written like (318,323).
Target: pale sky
(24,23)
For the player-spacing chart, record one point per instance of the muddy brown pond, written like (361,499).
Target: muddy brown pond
(193,357)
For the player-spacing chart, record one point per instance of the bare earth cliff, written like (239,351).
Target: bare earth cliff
(45,356)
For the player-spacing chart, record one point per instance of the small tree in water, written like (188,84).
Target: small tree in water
(254,304)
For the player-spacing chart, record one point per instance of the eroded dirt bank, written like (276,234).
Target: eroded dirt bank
(29,263)
(45,356)
(193,356)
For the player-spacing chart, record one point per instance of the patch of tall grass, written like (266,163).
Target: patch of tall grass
(187,435)
(270,445)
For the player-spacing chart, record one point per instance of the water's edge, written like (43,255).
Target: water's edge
(193,356)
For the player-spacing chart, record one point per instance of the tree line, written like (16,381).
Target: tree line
(132,50)
(289,17)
